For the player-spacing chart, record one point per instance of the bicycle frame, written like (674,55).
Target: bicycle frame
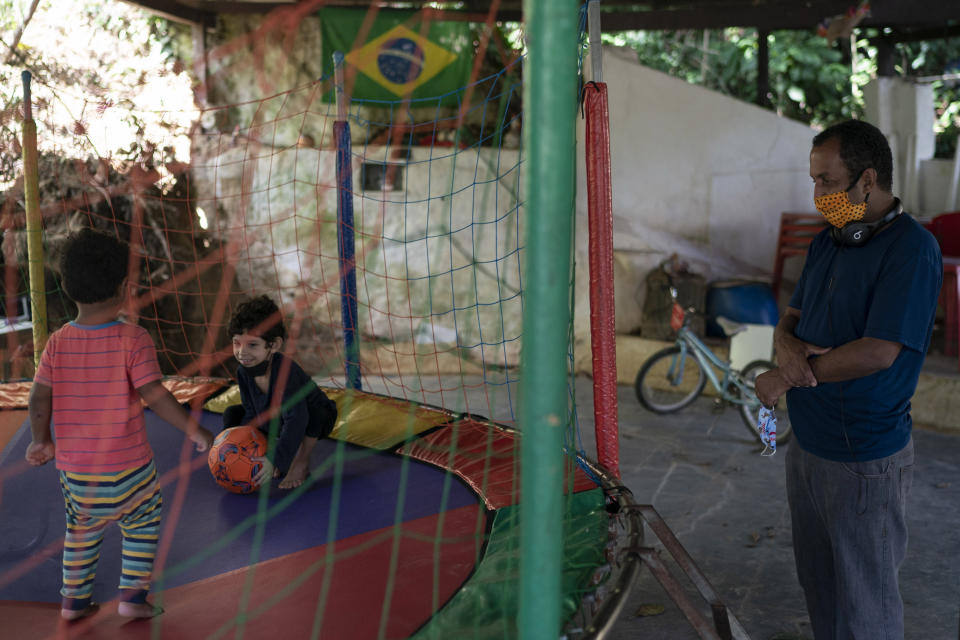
(688,341)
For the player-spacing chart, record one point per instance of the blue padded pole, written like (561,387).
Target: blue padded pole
(345,241)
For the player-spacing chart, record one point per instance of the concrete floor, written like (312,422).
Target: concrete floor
(726,504)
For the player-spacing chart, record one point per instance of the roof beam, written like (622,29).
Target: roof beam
(777,15)
(629,15)
(917,35)
(194,11)
(232,7)
(176,11)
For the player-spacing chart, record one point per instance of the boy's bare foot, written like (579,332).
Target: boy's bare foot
(76,614)
(295,476)
(138,609)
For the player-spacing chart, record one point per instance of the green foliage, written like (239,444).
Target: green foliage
(104,84)
(173,38)
(809,80)
(9,15)
(937,58)
(947,98)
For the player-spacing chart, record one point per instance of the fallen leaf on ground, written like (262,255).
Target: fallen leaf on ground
(646,610)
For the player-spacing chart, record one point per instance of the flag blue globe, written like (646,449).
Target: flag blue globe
(400,60)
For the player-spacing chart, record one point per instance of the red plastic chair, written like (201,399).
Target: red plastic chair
(796,232)
(946,229)
(950,299)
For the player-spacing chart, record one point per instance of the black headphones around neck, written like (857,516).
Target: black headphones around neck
(857,233)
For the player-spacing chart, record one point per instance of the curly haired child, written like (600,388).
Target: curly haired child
(92,375)
(274,387)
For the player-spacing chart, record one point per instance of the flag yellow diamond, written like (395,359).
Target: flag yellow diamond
(400,60)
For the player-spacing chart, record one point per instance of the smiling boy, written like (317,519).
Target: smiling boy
(274,387)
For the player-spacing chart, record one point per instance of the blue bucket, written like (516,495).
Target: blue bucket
(740,301)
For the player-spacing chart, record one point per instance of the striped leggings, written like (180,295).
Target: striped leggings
(93,500)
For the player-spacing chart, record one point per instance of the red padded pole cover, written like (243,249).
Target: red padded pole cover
(602,326)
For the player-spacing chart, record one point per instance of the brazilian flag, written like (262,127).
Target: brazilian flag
(401,55)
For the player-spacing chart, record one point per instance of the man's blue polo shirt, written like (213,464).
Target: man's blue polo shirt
(886,289)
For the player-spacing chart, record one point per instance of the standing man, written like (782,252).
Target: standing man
(850,347)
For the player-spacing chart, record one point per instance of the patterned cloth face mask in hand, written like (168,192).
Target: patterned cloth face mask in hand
(767,426)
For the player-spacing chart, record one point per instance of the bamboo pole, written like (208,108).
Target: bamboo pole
(549,144)
(38,294)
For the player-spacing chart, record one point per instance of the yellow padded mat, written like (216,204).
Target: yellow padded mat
(365,419)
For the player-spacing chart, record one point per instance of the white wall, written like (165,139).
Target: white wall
(904,111)
(694,172)
(438,262)
(937,177)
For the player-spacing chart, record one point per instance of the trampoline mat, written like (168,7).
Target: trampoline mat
(371,528)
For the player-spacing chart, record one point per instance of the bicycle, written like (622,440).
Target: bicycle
(674,377)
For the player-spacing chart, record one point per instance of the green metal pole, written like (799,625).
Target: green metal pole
(549,143)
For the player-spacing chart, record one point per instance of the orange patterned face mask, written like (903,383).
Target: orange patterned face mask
(837,208)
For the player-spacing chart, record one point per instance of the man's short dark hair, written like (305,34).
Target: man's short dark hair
(862,146)
(93,265)
(259,316)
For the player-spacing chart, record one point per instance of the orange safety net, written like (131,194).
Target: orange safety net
(15,395)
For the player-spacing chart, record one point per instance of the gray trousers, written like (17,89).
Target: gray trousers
(849,539)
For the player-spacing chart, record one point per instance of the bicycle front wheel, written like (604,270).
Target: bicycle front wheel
(669,380)
(750,410)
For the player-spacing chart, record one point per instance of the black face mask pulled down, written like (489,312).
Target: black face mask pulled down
(257,370)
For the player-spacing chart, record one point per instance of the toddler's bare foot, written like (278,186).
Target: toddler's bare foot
(76,614)
(138,610)
(295,476)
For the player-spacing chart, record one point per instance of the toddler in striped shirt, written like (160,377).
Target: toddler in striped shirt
(91,378)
